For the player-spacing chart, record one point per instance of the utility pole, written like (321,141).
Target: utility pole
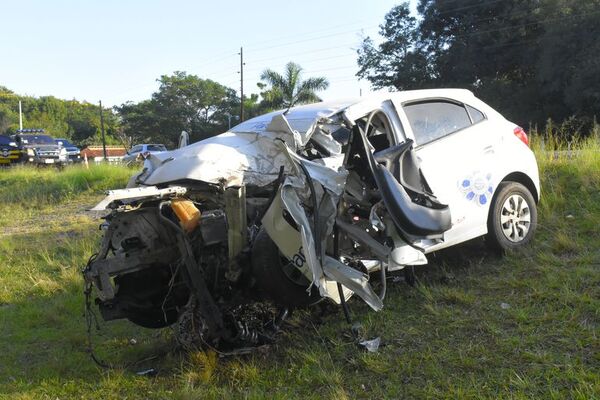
(20,117)
(102,130)
(241,84)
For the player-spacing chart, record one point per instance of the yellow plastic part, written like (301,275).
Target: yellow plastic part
(187,213)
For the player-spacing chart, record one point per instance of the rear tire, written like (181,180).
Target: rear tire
(513,218)
(267,268)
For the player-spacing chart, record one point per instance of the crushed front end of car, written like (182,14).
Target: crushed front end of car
(288,207)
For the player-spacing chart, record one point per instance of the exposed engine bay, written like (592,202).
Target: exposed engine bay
(287,207)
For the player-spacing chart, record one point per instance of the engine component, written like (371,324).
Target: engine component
(187,213)
(213,227)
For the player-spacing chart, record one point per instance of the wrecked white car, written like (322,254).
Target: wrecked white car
(306,204)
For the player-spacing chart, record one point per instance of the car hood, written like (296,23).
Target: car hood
(251,153)
(231,158)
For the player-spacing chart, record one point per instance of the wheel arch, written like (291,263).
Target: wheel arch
(518,177)
(524,180)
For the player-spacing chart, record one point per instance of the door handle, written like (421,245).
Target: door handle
(488,149)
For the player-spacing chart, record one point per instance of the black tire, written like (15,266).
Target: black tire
(267,263)
(512,220)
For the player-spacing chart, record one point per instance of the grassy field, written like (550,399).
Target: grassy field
(476,325)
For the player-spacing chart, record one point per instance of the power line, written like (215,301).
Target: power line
(304,52)
(329,69)
(486,3)
(220,72)
(307,33)
(213,61)
(314,38)
(309,62)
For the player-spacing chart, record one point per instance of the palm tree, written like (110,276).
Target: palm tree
(288,89)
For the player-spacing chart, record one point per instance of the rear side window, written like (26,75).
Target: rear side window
(476,115)
(435,119)
(136,149)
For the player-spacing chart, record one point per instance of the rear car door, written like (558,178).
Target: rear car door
(457,157)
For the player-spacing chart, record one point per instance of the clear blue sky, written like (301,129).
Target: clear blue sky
(115,50)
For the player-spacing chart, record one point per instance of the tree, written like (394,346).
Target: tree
(182,102)
(530,59)
(7,117)
(398,62)
(288,89)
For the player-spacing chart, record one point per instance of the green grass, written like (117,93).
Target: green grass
(448,337)
(40,186)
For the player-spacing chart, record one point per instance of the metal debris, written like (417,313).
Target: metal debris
(372,345)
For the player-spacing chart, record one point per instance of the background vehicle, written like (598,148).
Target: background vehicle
(306,204)
(9,151)
(139,150)
(73,152)
(40,149)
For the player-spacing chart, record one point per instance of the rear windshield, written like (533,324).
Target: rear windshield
(156,147)
(36,139)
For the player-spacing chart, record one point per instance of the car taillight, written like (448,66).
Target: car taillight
(521,134)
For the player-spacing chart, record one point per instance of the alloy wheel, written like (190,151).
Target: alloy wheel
(515,218)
